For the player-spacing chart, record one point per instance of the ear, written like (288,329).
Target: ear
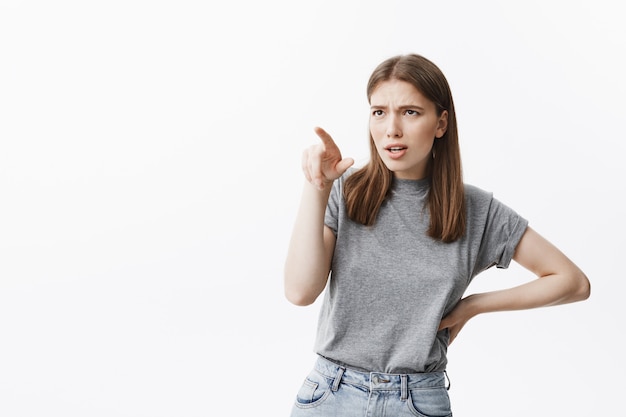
(442,124)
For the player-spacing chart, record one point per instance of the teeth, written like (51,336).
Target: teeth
(395,149)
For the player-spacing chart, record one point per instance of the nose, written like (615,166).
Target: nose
(393,128)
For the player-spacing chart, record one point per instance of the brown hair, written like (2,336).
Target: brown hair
(366,189)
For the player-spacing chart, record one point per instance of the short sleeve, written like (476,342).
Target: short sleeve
(331,217)
(503,230)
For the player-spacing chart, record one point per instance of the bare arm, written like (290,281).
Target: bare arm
(312,243)
(559,281)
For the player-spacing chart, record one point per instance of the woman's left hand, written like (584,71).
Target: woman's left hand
(456,319)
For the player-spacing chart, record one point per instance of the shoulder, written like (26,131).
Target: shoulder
(482,203)
(336,192)
(349,172)
(339,182)
(476,196)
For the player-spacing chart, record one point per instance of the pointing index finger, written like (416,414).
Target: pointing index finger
(327,140)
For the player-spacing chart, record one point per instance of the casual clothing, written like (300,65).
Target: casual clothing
(380,351)
(333,391)
(391,284)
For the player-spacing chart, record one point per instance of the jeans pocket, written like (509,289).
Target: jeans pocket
(314,390)
(429,402)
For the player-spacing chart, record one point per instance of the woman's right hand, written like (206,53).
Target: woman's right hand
(322,163)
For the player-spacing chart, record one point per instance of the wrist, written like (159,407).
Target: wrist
(322,186)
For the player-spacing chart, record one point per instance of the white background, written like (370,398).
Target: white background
(149,179)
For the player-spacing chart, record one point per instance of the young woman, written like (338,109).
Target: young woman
(396,243)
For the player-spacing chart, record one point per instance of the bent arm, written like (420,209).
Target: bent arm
(310,249)
(559,280)
(312,243)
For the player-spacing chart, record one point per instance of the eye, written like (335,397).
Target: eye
(410,112)
(377,113)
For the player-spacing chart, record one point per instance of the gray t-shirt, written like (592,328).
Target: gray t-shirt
(391,284)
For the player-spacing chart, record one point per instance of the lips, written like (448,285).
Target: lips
(395,151)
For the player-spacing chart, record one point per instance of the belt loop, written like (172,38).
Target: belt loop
(449,382)
(338,377)
(404,386)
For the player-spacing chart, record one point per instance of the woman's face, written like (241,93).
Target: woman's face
(404,125)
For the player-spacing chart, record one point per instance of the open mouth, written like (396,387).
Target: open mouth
(395,149)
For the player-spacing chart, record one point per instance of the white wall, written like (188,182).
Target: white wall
(149,178)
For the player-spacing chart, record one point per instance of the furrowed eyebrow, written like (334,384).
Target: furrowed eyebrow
(411,107)
(402,107)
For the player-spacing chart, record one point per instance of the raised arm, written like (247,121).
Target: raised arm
(312,243)
(559,281)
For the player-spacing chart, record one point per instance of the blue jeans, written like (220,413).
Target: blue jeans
(333,390)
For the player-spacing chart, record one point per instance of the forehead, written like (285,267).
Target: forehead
(397,91)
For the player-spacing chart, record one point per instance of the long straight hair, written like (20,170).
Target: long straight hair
(367,188)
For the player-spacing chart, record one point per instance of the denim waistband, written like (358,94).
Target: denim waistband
(379,381)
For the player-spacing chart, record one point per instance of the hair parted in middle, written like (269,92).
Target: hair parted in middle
(367,188)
